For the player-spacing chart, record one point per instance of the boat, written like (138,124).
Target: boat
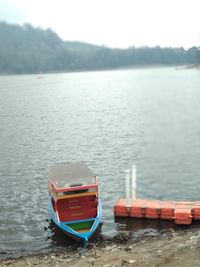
(74,204)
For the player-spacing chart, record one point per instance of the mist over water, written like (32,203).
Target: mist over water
(108,120)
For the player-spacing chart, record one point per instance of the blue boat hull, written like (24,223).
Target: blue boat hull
(84,237)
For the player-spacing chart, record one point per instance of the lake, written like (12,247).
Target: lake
(108,120)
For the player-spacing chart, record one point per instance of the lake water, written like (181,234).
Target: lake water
(107,119)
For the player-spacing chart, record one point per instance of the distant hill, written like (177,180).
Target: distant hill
(25,49)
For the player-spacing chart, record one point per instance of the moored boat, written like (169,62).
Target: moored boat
(74,203)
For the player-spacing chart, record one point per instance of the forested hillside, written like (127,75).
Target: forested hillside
(25,49)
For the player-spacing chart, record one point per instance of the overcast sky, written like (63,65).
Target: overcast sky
(114,23)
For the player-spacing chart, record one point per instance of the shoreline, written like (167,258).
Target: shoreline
(169,248)
(133,67)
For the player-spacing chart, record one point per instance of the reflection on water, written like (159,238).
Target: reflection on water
(148,227)
(58,237)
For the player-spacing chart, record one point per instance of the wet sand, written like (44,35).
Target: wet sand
(170,248)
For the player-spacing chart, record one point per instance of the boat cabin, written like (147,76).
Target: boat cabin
(73,189)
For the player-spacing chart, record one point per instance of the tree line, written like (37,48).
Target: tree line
(25,49)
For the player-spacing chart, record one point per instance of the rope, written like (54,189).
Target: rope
(85,244)
(122,192)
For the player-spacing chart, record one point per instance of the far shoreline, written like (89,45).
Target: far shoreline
(134,67)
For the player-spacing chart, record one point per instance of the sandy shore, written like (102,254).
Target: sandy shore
(171,248)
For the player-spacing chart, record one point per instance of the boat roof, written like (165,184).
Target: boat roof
(71,174)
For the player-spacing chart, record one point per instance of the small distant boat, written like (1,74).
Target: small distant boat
(74,203)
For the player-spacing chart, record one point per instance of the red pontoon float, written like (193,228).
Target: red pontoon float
(181,212)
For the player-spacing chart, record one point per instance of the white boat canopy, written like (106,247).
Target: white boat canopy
(70,175)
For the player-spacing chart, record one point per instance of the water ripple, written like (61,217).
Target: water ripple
(107,120)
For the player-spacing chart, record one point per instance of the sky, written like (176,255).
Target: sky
(113,23)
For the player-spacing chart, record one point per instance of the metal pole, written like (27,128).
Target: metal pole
(133,182)
(127,185)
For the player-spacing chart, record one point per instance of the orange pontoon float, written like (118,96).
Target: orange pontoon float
(181,212)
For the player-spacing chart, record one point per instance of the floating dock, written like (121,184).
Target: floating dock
(181,212)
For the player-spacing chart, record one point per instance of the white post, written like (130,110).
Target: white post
(133,182)
(127,183)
